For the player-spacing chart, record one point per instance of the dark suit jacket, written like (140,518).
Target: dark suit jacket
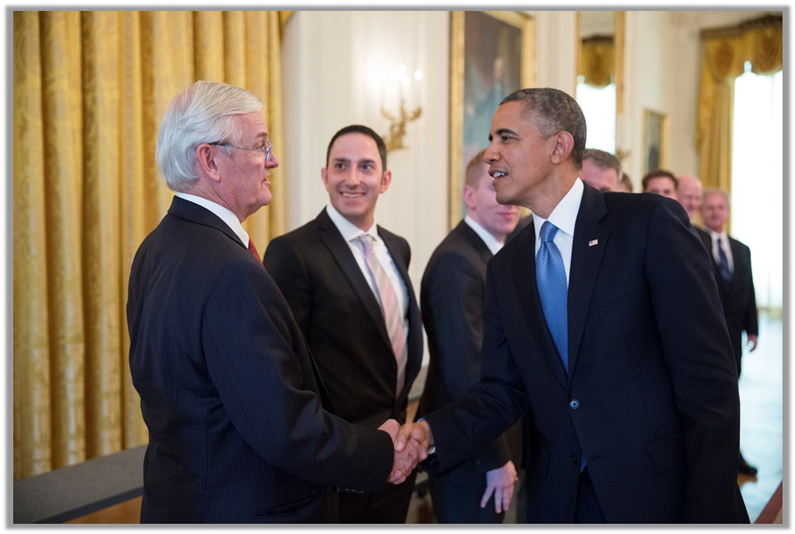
(650,400)
(739,302)
(451,299)
(342,321)
(237,432)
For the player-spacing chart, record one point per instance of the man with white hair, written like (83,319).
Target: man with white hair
(237,429)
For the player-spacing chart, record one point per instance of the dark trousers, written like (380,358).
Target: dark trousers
(587,510)
(389,504)
(460,503)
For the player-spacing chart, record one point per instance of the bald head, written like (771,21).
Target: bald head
(689,192)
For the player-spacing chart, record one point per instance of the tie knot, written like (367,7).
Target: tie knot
(367,242)
(548,231)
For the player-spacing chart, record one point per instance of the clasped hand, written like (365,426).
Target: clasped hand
(410,446)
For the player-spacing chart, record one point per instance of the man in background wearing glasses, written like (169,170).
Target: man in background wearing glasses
(237,429)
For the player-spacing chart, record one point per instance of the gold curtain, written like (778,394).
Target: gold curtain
(598,60)
(90,89)
(725,52)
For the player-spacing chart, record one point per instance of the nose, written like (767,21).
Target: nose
(490,155)
(273,162)
(352,177)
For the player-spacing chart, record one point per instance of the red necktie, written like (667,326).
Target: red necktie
(253,250)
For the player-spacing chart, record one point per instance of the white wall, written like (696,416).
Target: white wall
(329,61)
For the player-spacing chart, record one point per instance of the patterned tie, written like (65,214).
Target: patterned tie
(390,307)
(553,289)
(253,250)
(723,264)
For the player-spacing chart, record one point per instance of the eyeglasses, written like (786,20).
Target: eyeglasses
(267,150)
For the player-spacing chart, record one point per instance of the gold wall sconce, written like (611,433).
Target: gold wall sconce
(398,121)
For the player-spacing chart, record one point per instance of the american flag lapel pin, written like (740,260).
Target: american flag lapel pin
(593,242)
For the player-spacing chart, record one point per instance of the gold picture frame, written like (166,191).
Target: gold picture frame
(655,141)
(485,46)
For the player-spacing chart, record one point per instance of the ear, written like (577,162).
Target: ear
(564,144)
(324,177)
(386,179)
(205,159)
(469,196)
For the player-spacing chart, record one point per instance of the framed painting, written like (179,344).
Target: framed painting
(492,55)
(655,145)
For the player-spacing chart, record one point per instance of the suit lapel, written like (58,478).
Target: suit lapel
(341,252)
(468,234)
(590,240)
(523,271)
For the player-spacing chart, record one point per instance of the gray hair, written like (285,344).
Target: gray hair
(712,190)
(552,111)
(202,113)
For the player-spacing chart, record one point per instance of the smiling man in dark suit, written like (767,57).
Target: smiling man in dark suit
(237,432)
(603,330)
(346,281)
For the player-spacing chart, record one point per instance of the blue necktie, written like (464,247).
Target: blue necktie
(723,264)
(553,289)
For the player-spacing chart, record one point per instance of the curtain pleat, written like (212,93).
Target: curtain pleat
(90,89)
(32,404)
(62,128)
(101,258)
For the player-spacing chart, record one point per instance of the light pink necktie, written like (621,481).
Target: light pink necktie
(390,308)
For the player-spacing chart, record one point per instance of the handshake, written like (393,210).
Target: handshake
(411,442)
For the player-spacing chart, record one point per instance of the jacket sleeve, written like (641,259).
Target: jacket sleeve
(495,403)
(454,324)
(259,363)
(751,319)
(699,357)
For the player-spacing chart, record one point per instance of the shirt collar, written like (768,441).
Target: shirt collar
(349,230)
(491,242)
(715,235)
(225,214)
(564,216)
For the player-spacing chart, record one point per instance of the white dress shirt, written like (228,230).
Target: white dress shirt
(564,216)
(724,241)
(223,213)
(490,241)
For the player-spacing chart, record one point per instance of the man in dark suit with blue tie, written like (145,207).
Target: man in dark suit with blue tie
(603,330)
(731,261)
(237,430)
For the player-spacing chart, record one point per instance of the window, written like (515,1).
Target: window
(757,180)
(599,107)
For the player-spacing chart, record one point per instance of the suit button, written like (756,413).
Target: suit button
(574,404)
(574,459)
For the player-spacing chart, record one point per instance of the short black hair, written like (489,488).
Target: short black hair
(552,111)
(658,173)
(358,128)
